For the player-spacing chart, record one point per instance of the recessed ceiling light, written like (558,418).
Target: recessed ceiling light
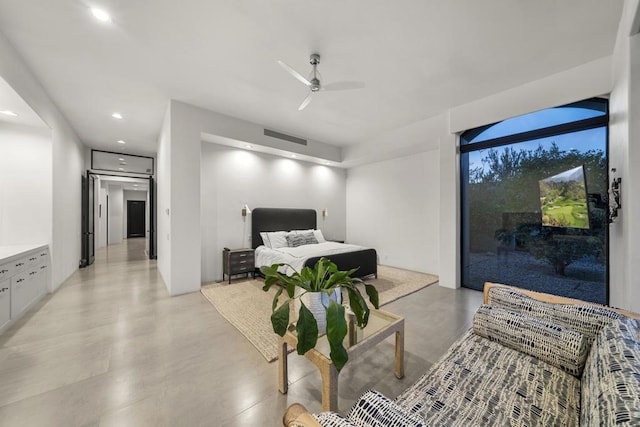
(248,146)
(121,141)
(327,163)
(121,159)
(293,156)
(120,169)
(9,113)
(100,15)
(117,116)
(123,163)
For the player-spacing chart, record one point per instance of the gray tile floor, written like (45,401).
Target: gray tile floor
(111,348)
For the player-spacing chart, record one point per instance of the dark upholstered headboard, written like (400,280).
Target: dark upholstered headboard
(279,219)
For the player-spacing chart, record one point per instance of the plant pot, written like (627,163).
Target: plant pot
(317,302)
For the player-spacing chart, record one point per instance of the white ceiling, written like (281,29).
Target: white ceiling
(417,58)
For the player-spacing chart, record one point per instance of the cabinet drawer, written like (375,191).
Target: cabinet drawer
(238,256)
(33,259)
(5,302)
(6,270)
(241,260)
(241,269)
(20,264)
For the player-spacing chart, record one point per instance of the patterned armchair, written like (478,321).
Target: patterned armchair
(529,359)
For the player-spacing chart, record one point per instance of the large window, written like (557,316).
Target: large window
(534,202)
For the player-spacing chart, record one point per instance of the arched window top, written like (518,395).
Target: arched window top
(537,120)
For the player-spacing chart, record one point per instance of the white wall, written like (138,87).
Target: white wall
(115,213)
(163,182)
(232,177)
(393,206)
(134,195)
(179,150)
(25,185)
(67,163)
(624,155)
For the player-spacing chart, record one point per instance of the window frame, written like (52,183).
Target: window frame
(465,147)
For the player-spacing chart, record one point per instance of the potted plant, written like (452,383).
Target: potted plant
(323,278)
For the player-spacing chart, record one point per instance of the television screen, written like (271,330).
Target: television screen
(563,200)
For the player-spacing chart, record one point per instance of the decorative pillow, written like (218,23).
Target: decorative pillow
(299,239)
(310,238)
(611,380)
(317,234)
(586,319)
(561,347)
(375,410)
(294,240)
(275,239)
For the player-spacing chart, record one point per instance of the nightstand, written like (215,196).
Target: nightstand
(238,261)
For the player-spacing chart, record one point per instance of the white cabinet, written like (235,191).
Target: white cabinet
(24,279)
(5,303)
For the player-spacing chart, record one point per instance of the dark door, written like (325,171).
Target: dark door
(88,223)
(152,218)
(135,218)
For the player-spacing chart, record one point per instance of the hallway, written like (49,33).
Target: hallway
(112,348)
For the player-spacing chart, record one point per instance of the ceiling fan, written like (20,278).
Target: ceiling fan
(314,83)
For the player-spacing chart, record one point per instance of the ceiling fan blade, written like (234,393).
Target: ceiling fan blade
(306,102)
(294,73)
(343,86)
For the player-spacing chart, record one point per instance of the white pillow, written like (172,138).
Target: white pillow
(275,239)
(319,237)
(301,231)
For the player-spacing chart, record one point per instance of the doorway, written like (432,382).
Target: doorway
(114,208)
(136,218)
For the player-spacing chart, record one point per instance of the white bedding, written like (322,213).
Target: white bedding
(297,256)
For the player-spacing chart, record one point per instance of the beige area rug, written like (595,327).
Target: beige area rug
(247,307)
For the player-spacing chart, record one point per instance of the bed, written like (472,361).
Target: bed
(344,256)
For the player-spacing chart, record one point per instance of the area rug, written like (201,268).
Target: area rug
(247,307)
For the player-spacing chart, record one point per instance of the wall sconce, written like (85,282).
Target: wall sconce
(325,213)
(245,211)
(614,197)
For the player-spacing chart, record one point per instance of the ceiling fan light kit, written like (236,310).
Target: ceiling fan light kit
(314,81)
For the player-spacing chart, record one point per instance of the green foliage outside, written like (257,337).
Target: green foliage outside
(504,199)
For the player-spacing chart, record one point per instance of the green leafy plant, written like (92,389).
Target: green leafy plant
(323,277)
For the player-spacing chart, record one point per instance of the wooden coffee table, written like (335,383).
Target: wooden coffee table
(382,325)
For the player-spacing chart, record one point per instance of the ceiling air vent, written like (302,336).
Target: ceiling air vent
(285,137)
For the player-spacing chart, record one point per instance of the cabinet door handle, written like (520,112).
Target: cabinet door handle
(32,273)
(20,280)
(42,267)
(33,259)
(19,264)
(3,271)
